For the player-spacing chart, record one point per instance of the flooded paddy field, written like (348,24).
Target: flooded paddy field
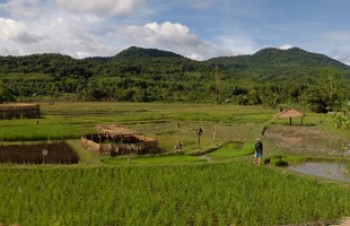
(327,170)
(311,141)
(307,140)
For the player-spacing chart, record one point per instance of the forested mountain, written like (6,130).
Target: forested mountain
(270,76)
(144,54)
(274,64)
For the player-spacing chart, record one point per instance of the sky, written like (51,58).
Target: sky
(197,29)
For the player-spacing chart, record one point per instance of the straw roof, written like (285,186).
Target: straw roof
(116,131)
(289,113)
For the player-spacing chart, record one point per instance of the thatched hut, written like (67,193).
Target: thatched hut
(290,113)
(113,140)
(9,111)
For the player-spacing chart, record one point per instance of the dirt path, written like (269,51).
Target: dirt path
(345,222)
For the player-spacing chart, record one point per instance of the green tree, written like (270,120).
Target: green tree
(5,95)
(331,87)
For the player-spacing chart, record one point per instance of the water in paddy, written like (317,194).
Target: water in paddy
(333,171)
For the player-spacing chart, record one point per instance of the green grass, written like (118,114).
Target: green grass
(285,160)
(42,132)
(158,111)
(66,120)
(153,160)
(232,150)
(233,193)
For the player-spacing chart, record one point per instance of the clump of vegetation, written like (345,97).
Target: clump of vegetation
(279,160)
(347,166)
(233,149)
(341,120)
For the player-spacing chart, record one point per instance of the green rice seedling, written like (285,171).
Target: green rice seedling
(152,160)
(233,149)
(295,159)
(41,132)
(194,191)
(276,161)
(284,160)
(347,167)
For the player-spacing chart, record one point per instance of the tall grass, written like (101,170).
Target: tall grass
(206,194)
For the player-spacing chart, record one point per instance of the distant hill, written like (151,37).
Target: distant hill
(137,53)
(275,64)
(139,74)
(265,65)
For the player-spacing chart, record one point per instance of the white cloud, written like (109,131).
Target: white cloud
(9,28)
(336,45)
(286,47)
(23,8)
(101,7)
(51,35)
(236,44)
(170,36)
(16,31)
(76,28)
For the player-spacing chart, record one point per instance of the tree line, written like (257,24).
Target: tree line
(140,75)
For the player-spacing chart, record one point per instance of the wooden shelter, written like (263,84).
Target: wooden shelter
(290,113)
(114,140)
(114,131)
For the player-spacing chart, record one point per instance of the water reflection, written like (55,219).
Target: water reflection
(333,171)
(205,157)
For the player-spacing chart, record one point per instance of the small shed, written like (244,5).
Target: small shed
(290,113)
(114,140)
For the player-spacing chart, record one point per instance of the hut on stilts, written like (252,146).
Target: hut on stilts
(291,113)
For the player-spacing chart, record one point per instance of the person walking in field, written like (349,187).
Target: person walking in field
(258,147)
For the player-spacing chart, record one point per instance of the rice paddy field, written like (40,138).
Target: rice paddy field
(213,182)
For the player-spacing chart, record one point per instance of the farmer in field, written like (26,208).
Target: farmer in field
(258,151)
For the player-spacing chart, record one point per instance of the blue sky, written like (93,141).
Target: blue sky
(198,29)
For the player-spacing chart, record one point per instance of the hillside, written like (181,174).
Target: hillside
(137,53)
(138,74)
(273,64)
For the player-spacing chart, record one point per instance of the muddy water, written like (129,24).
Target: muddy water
(205,157)
(333,171)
